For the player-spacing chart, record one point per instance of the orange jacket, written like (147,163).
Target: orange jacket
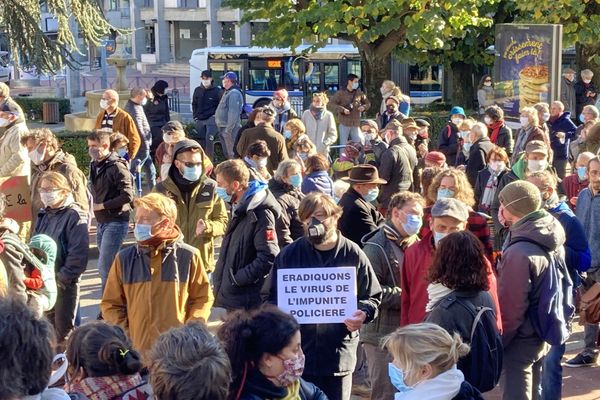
(123,123)
(147,300)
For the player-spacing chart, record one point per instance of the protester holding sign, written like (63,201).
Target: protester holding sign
(330,348)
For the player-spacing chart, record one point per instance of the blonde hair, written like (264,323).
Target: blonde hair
(296,126)
(467,124)
(57,180)
(322,96)
(463,189)
(304,143)
(158,203)
(310,203)
(532,114)
(417,345)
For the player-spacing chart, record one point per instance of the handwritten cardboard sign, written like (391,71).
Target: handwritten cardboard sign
(18,197)
(317,295)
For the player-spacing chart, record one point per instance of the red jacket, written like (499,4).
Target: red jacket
(572,186)
(417,260)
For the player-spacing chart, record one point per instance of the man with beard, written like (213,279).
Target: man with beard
(330,349)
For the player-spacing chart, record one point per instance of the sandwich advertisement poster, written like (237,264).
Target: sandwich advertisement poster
(527,66)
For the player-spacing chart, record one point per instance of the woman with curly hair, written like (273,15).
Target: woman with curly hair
(453,183)
(460,276)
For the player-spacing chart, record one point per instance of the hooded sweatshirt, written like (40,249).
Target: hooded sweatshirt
(443,387)
(521,268)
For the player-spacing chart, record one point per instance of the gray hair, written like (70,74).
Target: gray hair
(284,167)
(479,129)
(593,109)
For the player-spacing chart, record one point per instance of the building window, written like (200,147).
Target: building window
(228,33)
(148,4)
(187,3)
(113,5)
(149,39)
(256,28)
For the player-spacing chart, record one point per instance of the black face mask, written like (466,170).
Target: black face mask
(316,232)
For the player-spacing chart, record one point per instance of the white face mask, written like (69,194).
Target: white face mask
(457,121)
(4,122)
(36,157)
(497,165)
(524,121)
(536,165)
(487,120)
(169,139)
(546,117)
(50,198)
(587,80)
(103,104)
(487,83)
(144,101)
(205,82)
(262,162)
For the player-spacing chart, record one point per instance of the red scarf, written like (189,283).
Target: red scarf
(495,127)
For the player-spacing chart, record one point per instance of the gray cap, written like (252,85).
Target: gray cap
(448,207)
(172,126)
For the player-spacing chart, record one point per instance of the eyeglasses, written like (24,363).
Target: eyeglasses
(488,80)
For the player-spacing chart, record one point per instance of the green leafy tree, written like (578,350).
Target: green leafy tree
(31,47)
(581,26)
(376,27)
(464,58)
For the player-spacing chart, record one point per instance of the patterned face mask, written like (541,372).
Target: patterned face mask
(292,370)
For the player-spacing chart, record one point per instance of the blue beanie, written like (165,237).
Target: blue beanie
(458,110)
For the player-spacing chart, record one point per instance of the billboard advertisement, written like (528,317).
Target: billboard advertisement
(527,66)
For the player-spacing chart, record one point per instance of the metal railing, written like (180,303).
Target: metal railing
(174,104)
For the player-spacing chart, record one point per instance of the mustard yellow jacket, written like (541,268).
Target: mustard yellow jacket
(202,203)
(150,290)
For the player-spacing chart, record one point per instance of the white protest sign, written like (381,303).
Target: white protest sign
(317,295)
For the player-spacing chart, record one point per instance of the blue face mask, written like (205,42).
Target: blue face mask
(296,180)
(413,224)
(581,172)
(355,86)
(467,146)
(397,379)
(142,232)
(437,236)
(581,118)
(445,193)
(122,152)
(222,193)
(192,174)
(372,195)
(287,134)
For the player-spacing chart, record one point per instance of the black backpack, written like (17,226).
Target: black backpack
(483,365)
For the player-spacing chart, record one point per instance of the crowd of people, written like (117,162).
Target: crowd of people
(467,250)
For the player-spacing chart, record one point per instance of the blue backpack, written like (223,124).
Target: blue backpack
(552,315)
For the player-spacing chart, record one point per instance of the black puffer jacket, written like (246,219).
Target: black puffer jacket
(111,184)
(289,198)
(330,349)
(205,102)
(157,110)
(247,253)
(258,387)
(68,227)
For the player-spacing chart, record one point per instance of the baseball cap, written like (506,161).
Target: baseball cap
(421,122)
(232,76)
(448,207)
(172,126)
(536,146)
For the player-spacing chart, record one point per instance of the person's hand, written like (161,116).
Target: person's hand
(356,320)
(346,111)
(98,207)
(200,227)
(422,149)
(573,201)
(560,135)
(361,108)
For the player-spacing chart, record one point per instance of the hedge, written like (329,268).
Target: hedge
(75,143)
(33,104)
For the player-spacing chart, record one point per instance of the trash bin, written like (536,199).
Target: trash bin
(50,113)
